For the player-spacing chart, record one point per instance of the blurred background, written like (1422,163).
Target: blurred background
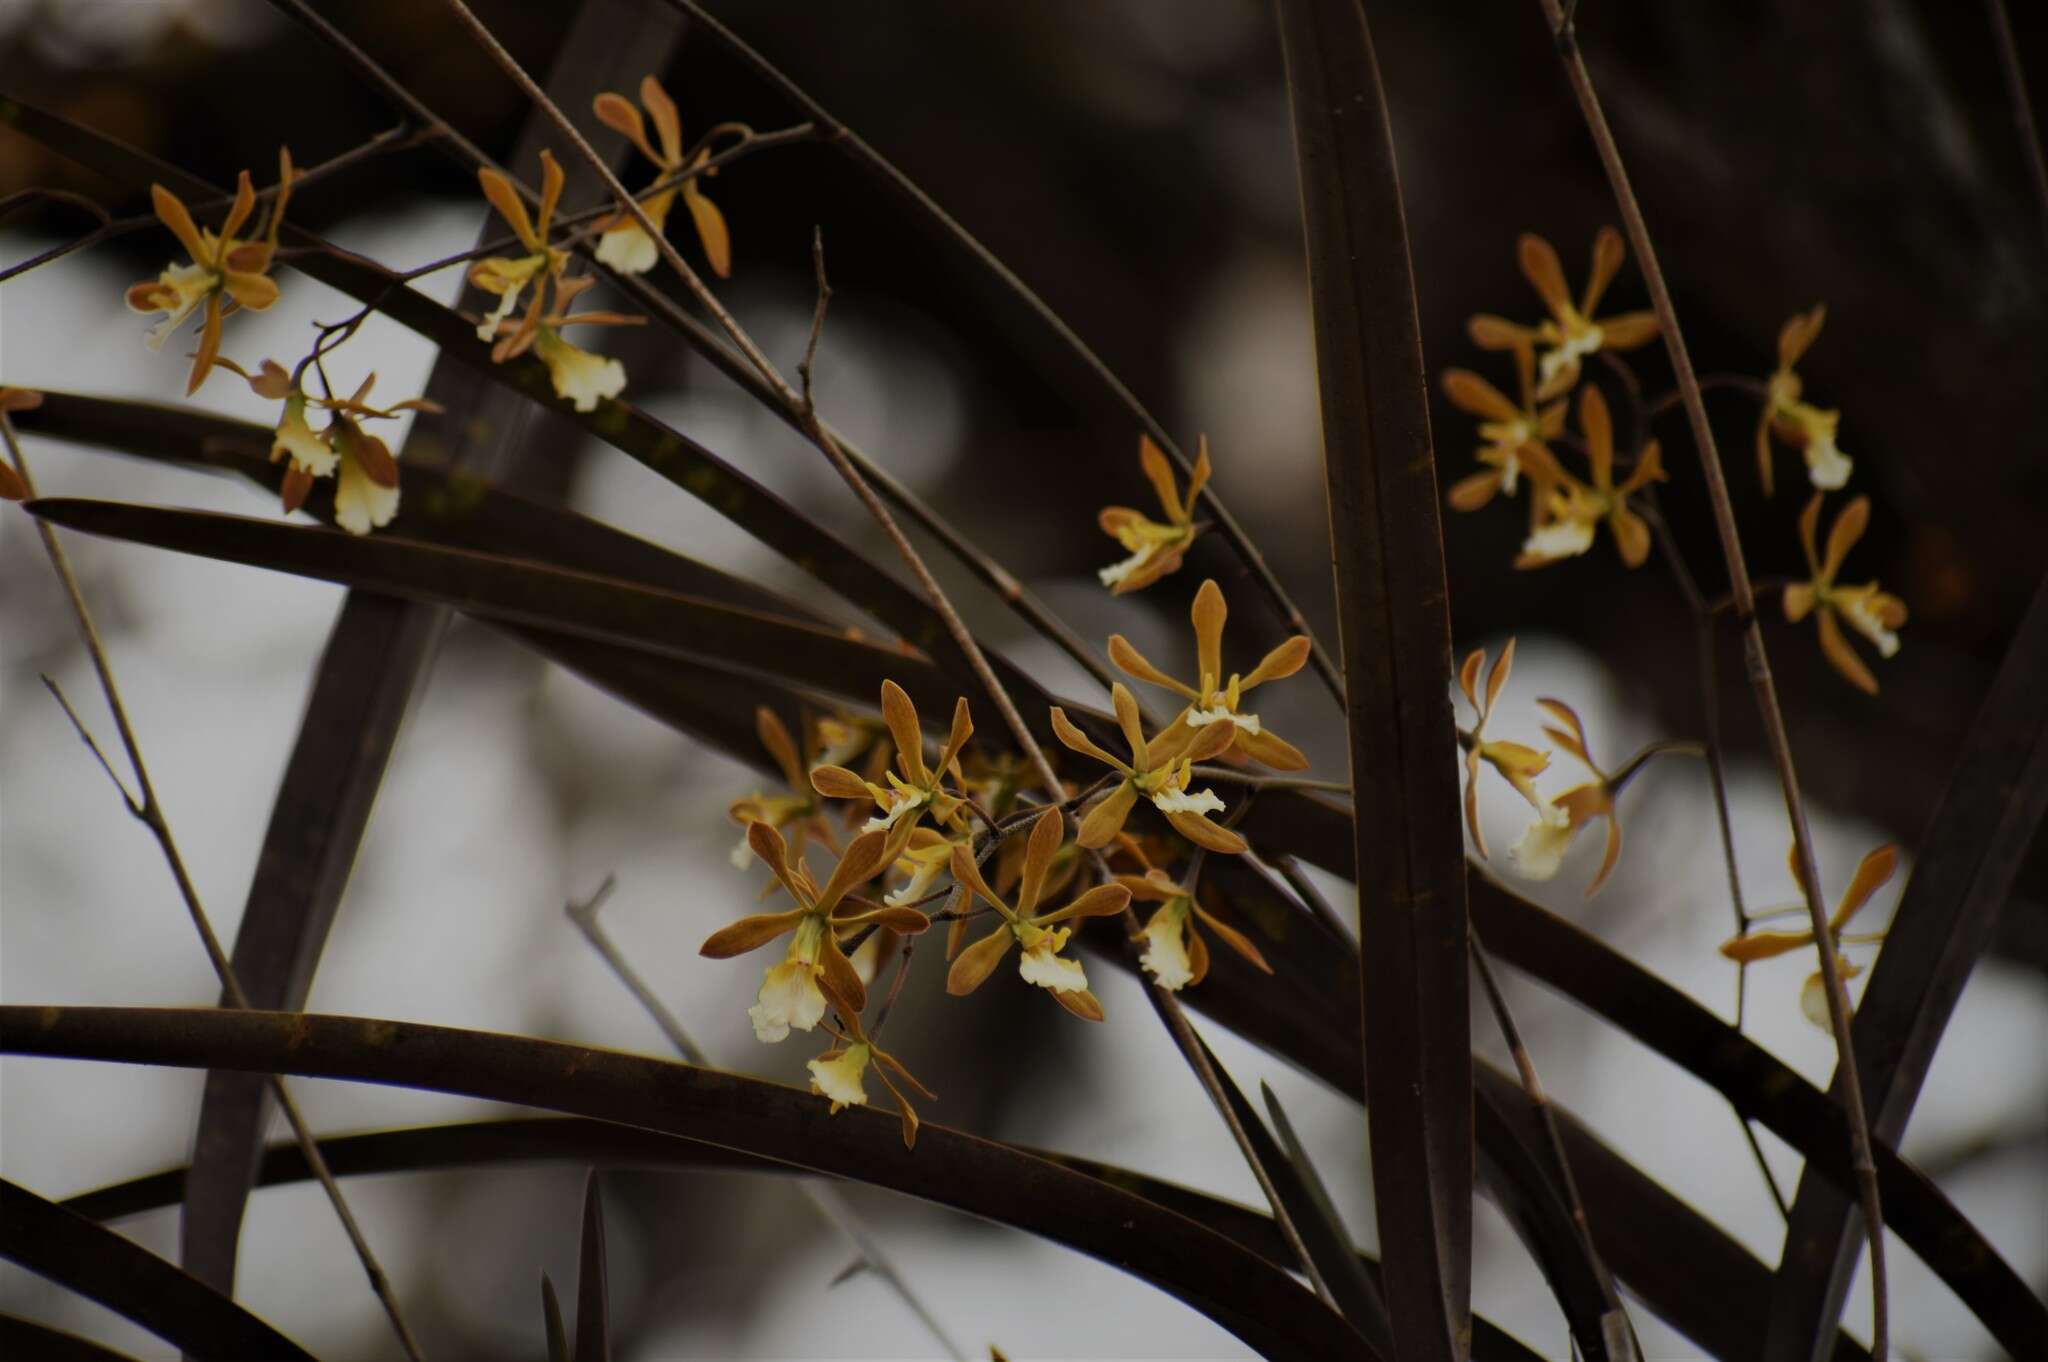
(1133,162)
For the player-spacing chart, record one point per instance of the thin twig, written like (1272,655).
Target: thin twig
(803,366)
(1163,1001)
(830,1206)
(880,167)
(1757,659)
(143,804)
(1618,1333)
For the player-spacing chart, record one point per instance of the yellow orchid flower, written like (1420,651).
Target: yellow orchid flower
(1872,873)
(1542,847)
(1175,954)
(797,814)
(12,488)
(1798,423)
(223,266)
(1519,764)
(1507,429)
(581,378)
(508,276)
(1155,549)
(624,245)
(920,789)
(1039,934)
(790,995)
(838,1074)
(1571,332)
(1872,613)
(1576,509)
(1159,771)
(1214,700)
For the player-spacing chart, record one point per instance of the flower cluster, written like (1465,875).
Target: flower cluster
(1519,443)
(1005,848)
(365,473)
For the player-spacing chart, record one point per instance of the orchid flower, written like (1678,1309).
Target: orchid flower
(1214,700)
(1040,934)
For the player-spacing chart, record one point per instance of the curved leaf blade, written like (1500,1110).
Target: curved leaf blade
(82,1256)
(1240,1291)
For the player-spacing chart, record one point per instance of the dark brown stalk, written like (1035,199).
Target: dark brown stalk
(880,167)
(1777,739)
(1394,632)
(143,804)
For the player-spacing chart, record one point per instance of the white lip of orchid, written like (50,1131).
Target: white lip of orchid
(1565,538)
(743,854)
(309,453)
(1166,954)
(1042,964)
(628,249)
(487,329)
(789,998)
(1856,609)
(1510,470)
(361,505)
(905,803)
(1541,848)
(1202,718)
(1576,347)
(920,880)
(1187,801)
(1827,465)
(839,1078)
(1116,572)
(191,283)
(581,378)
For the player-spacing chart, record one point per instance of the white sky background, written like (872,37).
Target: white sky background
(453,914)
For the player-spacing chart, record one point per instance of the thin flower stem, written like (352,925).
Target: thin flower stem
(1757,661)
(830,1206)
(882,169)
(143,804)
(1620,1333)
(822,436)
(2022,107)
